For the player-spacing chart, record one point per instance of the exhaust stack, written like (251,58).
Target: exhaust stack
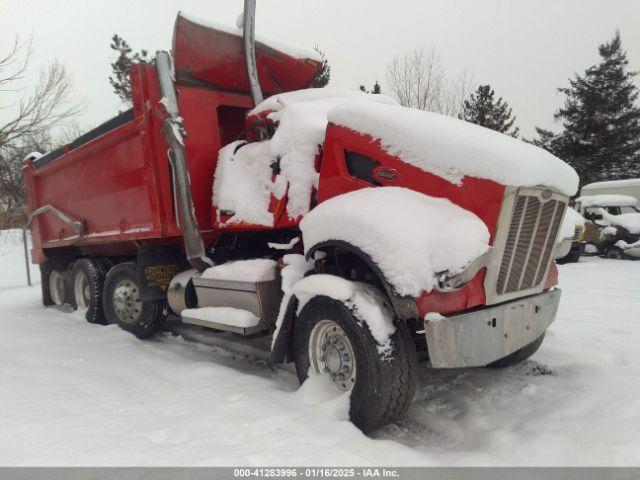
(172,130)
(248,36)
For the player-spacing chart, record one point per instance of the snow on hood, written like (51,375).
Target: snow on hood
(607,200)
(243,179)
(453,149)
(572,219)
(436,235)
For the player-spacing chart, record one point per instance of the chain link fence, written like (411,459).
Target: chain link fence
(16,269)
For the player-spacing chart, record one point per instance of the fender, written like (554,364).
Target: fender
(404,307)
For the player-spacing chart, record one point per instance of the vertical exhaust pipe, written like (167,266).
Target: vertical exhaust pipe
(248,36)
(172,131)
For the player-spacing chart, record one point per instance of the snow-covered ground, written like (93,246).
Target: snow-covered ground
(72,393)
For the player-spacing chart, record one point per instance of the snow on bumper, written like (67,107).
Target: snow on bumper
(478,338)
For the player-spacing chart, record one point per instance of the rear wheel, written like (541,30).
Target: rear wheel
(614,253)
(87,282)
(328,339)
(123,305)
(519,355)
(58,287)
(45,272)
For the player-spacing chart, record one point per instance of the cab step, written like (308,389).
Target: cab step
(228,319)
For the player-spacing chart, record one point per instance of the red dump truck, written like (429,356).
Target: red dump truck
(359,234)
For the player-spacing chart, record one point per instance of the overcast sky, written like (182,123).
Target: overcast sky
(524,48)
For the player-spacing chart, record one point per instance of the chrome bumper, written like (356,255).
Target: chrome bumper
(478,338)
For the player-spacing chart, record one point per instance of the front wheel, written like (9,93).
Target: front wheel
(329,339)
(122,303)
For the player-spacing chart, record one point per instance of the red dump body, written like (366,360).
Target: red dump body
(117,179)
(119,182)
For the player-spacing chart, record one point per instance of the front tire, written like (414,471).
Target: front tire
(381,387)
(122,303)
(519,355)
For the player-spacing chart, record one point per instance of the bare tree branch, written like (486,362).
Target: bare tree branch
(418,80)
(49,106)
(10,59)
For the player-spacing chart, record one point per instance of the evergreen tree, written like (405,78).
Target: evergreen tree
(601,135)
(482,109)
(120,68)
(324,74)
(376,88)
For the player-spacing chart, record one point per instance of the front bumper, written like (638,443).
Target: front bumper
(478,338)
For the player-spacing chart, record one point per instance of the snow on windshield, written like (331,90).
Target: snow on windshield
(453,149)
(437,235)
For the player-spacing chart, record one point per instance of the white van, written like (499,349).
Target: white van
(629,187)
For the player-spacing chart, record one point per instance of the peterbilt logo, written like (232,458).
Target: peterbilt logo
(386,174)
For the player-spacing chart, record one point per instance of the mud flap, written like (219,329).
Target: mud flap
(157,265)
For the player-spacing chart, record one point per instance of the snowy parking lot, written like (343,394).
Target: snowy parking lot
(73,393)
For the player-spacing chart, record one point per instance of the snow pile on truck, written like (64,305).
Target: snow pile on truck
(254,270)
(410,236)
(243,181)
(444,146)
(454,149)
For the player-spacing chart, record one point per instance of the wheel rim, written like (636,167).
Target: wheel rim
(82,290)
(126,301)
(56,287)
(331,352)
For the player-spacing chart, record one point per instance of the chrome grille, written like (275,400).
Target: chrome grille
(529,242)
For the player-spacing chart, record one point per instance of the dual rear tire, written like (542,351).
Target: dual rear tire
(106,293)
(123,304)
(87,278)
